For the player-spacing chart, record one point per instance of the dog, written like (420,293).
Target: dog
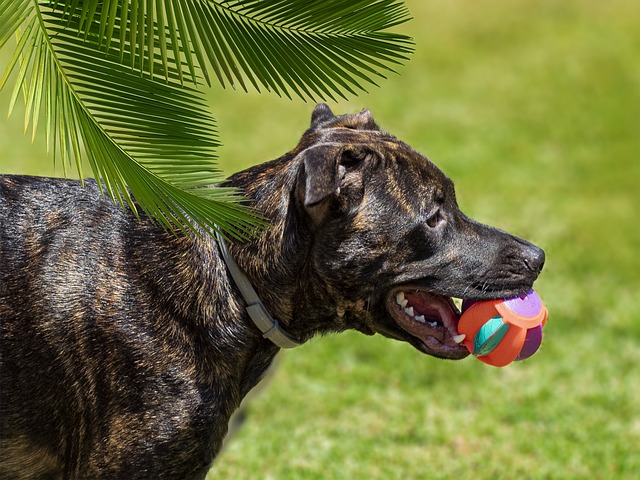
(125,349)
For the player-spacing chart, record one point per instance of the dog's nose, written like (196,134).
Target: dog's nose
(534,259)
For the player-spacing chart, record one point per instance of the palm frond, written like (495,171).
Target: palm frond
(110,78)
(154,139)
(316,49)
(313,49)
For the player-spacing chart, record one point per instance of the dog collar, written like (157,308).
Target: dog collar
(268,325)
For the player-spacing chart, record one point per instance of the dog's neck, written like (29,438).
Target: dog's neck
(256,310)
(277,258)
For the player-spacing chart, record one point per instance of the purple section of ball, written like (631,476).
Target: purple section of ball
(531,343)
(526,305)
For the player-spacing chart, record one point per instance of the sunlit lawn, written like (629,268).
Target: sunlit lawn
(533,108)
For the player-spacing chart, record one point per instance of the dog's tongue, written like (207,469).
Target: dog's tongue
(438,314)
(435,307)
(430,317)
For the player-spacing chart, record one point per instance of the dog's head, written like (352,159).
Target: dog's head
(390,246)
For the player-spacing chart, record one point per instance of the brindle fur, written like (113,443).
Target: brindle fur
(125,349)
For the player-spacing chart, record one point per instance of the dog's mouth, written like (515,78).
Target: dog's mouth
(430,319)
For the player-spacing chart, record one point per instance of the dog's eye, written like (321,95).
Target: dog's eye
(434,219)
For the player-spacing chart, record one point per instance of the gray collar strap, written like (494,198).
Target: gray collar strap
(255,308)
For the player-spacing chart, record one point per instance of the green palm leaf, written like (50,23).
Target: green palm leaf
(110,78)
(315,49)
(153,139)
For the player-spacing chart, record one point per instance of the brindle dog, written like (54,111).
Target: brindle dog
(125,349)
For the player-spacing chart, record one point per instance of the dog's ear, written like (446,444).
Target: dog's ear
(321,114)
(322,173)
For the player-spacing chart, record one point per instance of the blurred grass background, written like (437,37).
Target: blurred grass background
(533,108)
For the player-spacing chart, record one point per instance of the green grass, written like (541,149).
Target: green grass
(533,108)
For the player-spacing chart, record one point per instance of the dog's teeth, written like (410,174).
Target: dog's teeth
(420,318)
(433,324)
(409,311)
(459,338)
(400,300)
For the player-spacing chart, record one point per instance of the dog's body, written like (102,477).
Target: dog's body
(126,349)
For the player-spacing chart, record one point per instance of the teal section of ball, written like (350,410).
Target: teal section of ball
(489,336)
